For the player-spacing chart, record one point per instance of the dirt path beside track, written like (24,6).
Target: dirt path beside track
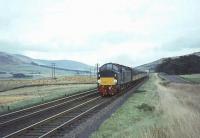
(173,78)
(180,108)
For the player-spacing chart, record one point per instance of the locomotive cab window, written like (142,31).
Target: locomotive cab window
(109,66)
(115,68)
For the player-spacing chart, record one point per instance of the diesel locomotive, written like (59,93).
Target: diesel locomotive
(113,78)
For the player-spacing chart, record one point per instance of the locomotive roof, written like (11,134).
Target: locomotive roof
(135,70)
(117,65)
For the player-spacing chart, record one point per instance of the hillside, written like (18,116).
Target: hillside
(6,59)
(150,66)
(189,64)
(153,65)
(65,64)
(15,63)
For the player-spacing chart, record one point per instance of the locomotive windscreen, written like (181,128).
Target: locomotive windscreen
(107,73)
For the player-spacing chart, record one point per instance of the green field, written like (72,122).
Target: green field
(24,97)
(156,111)
(195,78)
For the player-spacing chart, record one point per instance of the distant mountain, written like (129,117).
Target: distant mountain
(65,64)
(6,59)
(23,59)
(15,63)
(16,59)
(152,65)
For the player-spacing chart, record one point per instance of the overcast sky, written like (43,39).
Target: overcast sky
(129,32)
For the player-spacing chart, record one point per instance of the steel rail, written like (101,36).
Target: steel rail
(71,120)
(20,117)
(49,118)
(50,102)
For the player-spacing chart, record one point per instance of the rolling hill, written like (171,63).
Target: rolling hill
(152,65)
(15,63)
(189,64)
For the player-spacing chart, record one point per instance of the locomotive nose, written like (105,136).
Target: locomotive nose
(106,81)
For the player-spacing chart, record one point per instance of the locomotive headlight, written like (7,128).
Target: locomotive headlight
(115,81)
(99,81)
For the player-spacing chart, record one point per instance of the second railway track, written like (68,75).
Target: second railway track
(14,121)
(45,127)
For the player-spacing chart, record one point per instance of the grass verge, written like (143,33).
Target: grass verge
(195,78)
(25,97)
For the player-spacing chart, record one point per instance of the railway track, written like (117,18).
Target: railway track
(54,118)
(47,126)
(14,121)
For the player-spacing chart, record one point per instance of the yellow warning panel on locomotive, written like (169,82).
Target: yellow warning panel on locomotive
(107,81)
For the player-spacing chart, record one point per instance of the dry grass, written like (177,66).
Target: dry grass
(10,99)
(180,108)
(11,84)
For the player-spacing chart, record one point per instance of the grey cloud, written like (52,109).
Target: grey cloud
(124,60)
(182,43)
(18,47)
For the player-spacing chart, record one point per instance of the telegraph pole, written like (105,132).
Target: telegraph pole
(94,71)
(90,72)
(53,72)
(97,68)
(97,65)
